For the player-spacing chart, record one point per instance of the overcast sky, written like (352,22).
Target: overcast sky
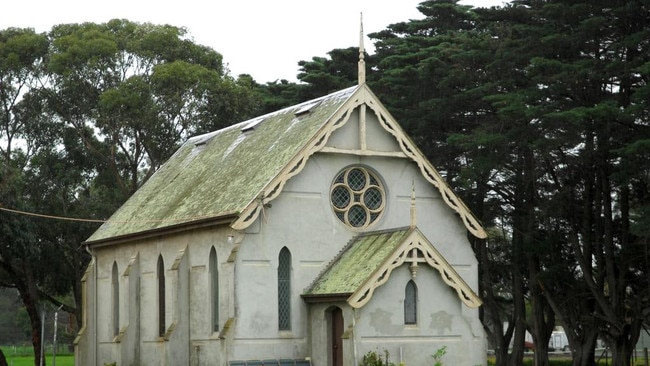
(263,38)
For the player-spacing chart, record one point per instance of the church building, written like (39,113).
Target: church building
(312,235)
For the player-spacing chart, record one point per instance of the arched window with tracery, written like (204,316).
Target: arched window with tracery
(284,289)
(411,303)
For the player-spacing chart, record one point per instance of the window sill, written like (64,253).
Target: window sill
(119,336)
(285,334)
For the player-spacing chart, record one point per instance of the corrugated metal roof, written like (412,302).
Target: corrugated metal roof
(220,173)
(357,262)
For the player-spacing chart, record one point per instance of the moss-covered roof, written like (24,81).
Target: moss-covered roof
(368,260)
(364,255)
(220,173)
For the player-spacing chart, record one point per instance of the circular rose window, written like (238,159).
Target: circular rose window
(357,197)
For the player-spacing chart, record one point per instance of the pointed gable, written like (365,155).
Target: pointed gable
(368,260)
(227,176)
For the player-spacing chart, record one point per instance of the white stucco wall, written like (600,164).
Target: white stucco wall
(191,341)
(302,220)
(314,236)
(441,322)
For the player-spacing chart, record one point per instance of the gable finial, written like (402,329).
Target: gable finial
(413,213)
(362,63)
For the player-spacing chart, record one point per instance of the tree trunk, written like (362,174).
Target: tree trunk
(29,297)
(3,360)
(543,319)
(623,346)
(584,352)
(584,356)
(520,238)
(542,316)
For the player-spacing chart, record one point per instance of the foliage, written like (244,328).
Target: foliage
(438,355)
(14,323)
(532,112)
(373,358)
(90,111)
(535,112)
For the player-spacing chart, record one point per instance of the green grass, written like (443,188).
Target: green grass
(24,356)
(63,360)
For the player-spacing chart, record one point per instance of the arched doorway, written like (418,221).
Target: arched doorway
(335,335)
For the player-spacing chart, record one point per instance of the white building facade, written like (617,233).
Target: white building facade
(309,236)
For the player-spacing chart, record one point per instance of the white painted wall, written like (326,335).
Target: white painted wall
(302,220)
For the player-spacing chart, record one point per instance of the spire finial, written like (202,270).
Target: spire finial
(362,51)
(413,213)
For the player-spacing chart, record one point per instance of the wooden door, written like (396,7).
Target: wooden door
(336,332)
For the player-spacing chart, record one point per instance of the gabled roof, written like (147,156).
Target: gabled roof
(368,260)
(228,175)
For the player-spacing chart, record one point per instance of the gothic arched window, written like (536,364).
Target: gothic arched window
(284,289)
(214,289)
(115,303)
(410,303)
(161,296)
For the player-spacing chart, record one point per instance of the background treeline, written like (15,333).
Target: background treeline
(536,113)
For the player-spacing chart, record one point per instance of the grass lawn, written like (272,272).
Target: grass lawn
(62,360)
(23,356)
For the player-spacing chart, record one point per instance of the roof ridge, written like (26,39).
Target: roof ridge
(210,134)
(383,231)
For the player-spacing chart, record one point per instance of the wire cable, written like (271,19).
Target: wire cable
(51,216)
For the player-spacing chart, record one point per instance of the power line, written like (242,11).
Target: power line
(50,216)
(54,217)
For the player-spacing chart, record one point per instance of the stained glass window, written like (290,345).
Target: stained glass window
(116,299)
(411,303)
(214,289)
(284,289)
(357,196)
(161,297)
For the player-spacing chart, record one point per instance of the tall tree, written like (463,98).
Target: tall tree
(442,68)
(90,111)
(145,88)
(22,54)
(588,77)
(551,116)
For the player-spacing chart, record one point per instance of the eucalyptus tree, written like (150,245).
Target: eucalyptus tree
(141,89)
(90,111)
(22,55)
(123,96)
